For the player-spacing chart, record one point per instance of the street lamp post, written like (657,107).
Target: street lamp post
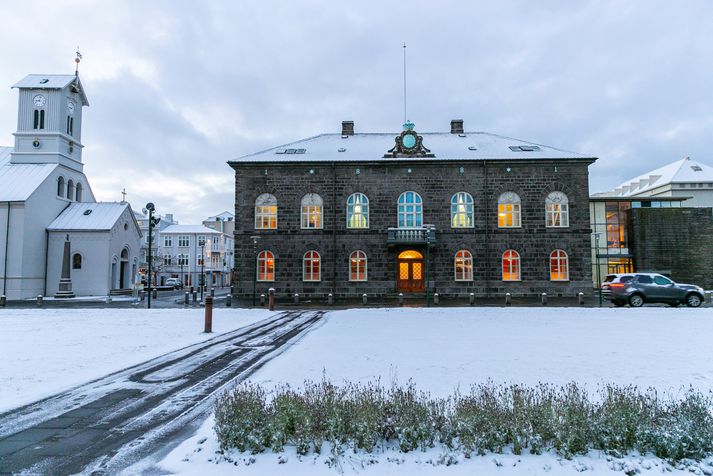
(255,276)
(202,280)
(596,259)
(152,222)
(428,255)
(180,261)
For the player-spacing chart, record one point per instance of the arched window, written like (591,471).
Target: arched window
(60,187)
(559,266)
(311,267)
(410,210)
(77,261)
(265,266)
(557,210)
(70,189)
(357,266)
(311,212)
(78,192)
(266,212)
(509,210)
(464,266)
(357,211)
(462,210)
(511,266)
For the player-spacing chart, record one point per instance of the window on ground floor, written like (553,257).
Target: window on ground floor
(511,266)
(357,266)
(311,266)
(464,266)
(559,266)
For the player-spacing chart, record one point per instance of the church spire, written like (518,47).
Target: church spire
(77,60)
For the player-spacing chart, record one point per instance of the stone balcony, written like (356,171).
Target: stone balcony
(411,236)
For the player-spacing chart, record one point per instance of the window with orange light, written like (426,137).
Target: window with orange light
(311,267)
(266,266)
(559,266)
(509,210)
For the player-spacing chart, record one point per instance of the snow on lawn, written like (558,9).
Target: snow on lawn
(45,351)
(443,349)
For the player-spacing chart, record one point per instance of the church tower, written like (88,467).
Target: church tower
(49,121)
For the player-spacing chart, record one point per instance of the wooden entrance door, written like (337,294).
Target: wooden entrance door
(411,272)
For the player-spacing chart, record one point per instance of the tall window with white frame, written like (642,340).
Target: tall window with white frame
(511,265)
(509,210)
(357,266)
(266,266)
(464,266)
(357,211)
(462,210)
(311,267)
(559,266)
(311,212)
(410,210)
(183,241)
(266,212)
(167,241)
(557,210)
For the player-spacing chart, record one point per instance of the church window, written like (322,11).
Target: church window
(559,266)
(410,210)
(183,241)
(464,266)
(78,192)
(168,240)
(511,266)
(462,210)
(509,210)
(77,261)
(357,211)
(266,212)
(68,118)
(39,119)
(311,266)
(557,210)
(60,187)
(266,266)
(311,211)
(357,266)
(71,126)
(70,189)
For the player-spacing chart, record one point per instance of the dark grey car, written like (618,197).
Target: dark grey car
(639,288)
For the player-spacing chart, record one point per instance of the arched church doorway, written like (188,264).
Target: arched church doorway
(410,277)
(124,269)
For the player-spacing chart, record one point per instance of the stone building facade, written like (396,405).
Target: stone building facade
(436,216)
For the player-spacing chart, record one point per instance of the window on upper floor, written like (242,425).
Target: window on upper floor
(357,211)
(201,240)
(266,266)
(464,266)
(167,240)
(183,241)
(509,210)
(70,189)
(311,211)
(410,210)
(266,212)
(199,260)
(357,266)
(39,119)
(311,266)
(559,266)
(60,187)
(182,260)
(511,266)
(557,210)
(462,210)
(78,192)
(167,260)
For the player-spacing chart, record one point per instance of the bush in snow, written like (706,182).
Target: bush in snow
(487,419)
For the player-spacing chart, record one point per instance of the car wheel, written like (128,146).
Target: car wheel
(636,300)
(618,303)
(693,300)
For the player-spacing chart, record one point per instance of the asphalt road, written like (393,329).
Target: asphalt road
(111,423)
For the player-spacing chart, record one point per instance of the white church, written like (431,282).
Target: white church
(55,238)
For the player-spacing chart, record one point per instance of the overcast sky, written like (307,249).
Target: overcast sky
(177,88)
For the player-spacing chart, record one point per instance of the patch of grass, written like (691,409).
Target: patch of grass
(488,418)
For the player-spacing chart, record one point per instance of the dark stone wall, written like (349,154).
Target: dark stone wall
(436,183)
(674,241)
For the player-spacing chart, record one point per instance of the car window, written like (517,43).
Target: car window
(643,279)
(610,278)
(626,279)
(662,281)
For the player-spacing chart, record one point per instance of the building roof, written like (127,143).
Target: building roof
(373,146)
(221,216)
(681,171)
(187,229)
(19,181)
(51,81)
(102,216)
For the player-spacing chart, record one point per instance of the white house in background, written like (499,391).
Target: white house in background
(143,221)
(183,248)
(43,187)
(682,178)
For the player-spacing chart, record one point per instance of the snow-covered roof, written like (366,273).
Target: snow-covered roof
(221,216)
(373,146)
(203,230)
(19,181)
(681,171)
(51,81)
(101,216)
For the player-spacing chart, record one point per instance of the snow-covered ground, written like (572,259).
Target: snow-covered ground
(46,351)
(443,349)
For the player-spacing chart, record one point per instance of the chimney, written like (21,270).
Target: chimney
(457,126)
(347,128)
(168,217)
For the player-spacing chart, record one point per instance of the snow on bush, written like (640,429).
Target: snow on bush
(489,418)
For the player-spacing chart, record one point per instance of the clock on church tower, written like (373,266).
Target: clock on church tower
(49,123)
